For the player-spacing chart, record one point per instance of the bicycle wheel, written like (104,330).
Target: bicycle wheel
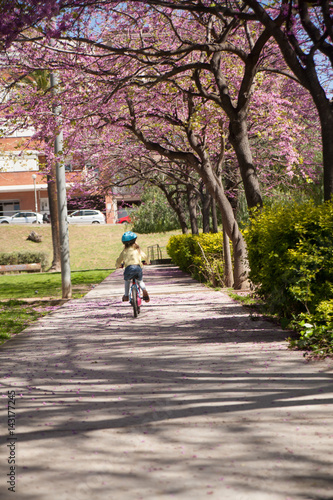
(139,297)
(139,301)
(135,301)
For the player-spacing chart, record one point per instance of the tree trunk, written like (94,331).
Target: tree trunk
(228,279)
(215,187)
(231,182)
(214,216)
(176,204)
(205,201)
(238,243)
(238,136)
(238,133)
(230,226)
(53,204)
(182,219)
(326,121)
(192,207)
(179,209)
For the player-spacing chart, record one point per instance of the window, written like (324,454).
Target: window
(13,162)
(9,207)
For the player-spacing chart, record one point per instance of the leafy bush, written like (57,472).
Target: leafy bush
(24,258)
(154,214)
(315,338)
(200,255)
(290,251)
(316,330)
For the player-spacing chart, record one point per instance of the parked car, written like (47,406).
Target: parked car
(22,218)
(123,217)
(86,216)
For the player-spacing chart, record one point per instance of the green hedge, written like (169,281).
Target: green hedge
(200,255)
(290,250)
(24,258)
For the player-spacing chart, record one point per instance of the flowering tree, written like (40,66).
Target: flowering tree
(53,16)
(171,92)
(304,33)
(229,84)
(301,29)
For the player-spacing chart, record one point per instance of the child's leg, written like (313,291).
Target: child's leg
(144,291)
(142,285)
(127,287)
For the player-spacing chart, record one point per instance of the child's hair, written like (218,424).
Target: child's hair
(132,243)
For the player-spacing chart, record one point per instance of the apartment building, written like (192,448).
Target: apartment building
(24,188)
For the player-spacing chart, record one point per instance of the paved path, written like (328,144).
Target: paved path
(191,400)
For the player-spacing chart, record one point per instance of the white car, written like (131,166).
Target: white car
(23,218)
(86,216)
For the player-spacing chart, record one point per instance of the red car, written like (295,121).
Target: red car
(123,217)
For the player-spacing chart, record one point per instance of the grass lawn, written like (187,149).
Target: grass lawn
(40,285)
(91,247)
(15,315)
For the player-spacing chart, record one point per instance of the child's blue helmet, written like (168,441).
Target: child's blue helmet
(128,236)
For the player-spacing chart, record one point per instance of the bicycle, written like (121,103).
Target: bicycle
(135,297)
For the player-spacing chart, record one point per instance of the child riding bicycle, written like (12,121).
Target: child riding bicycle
(132,257)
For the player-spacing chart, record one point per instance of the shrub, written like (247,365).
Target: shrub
(24,258)
(291,256)
(200,255)
(290,250)
(314,338)
(316,330)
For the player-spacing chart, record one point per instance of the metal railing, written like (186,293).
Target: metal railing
(154,252)
(158,255)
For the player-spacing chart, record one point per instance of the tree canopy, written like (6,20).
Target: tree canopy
(202,88)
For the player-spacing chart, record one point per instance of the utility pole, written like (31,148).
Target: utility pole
(35,191)
(62,201)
